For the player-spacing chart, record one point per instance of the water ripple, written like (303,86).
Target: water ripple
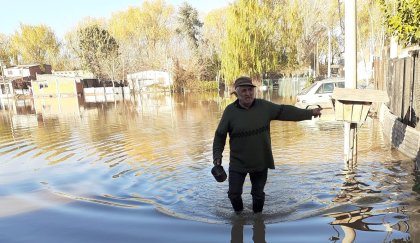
(162,155)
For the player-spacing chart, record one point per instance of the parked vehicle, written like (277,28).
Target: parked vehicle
(318,94)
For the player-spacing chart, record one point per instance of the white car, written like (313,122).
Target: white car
(318,94)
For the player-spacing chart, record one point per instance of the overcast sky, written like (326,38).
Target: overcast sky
(63,15)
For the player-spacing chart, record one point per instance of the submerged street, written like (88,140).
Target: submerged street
(141,164)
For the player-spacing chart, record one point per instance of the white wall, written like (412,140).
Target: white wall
(140,80)
(16,72)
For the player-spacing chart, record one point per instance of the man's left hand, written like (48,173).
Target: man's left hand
(316,112)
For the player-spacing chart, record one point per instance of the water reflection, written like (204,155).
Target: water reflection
(354,220)
(58,106)
(258,230)
(17,106)
(352,187)
(355,216)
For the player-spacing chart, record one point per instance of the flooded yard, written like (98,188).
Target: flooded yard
(138,170)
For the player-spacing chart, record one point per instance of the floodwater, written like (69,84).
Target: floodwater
(138,170)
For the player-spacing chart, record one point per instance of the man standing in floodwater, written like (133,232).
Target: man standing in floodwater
(247,121)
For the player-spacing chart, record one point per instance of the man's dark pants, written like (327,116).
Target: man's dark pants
(236,182)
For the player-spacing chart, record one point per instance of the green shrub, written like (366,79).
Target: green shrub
(201,85)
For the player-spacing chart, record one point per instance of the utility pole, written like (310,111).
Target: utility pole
(317,61)
(2,70)
(329,49)
(3,79)
(350,133)
(329,52)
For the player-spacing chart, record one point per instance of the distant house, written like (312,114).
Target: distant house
(86,78)
(56,86)
(6,88)
(75,73)
(143,81)
(20,76)
(337,70)
(27,72)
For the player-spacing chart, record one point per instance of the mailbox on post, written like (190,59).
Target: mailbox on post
(353,105)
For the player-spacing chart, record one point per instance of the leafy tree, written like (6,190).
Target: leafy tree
(70,54)
(331,21)
(189,24)
(65,61)
(311,15)
(291,26)
(403,20)
(156,29)
(214,30)
(194,65)
(155,22)
(71,38)
(370,31)
(250,46)
(34,44)
(124,25)
(145,35)
(98,51)
(4,50)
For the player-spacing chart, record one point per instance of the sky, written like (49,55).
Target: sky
(62,15)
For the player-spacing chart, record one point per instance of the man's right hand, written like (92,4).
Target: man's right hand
(217,161)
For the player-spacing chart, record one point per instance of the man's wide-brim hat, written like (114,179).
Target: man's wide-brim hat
(243,81)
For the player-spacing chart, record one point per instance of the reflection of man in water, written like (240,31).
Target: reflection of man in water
(247,121)
(258,231)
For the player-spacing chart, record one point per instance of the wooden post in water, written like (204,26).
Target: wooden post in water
(352,106)
(350,143)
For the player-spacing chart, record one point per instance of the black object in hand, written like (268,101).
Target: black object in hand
(219,173)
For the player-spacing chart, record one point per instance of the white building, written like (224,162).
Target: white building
(75,73)
(142,81)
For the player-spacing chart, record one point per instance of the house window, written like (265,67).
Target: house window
(43,85)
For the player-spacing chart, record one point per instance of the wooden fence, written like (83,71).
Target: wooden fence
(286,87)
(400,77)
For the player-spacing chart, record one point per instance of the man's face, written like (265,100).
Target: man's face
(246,95)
